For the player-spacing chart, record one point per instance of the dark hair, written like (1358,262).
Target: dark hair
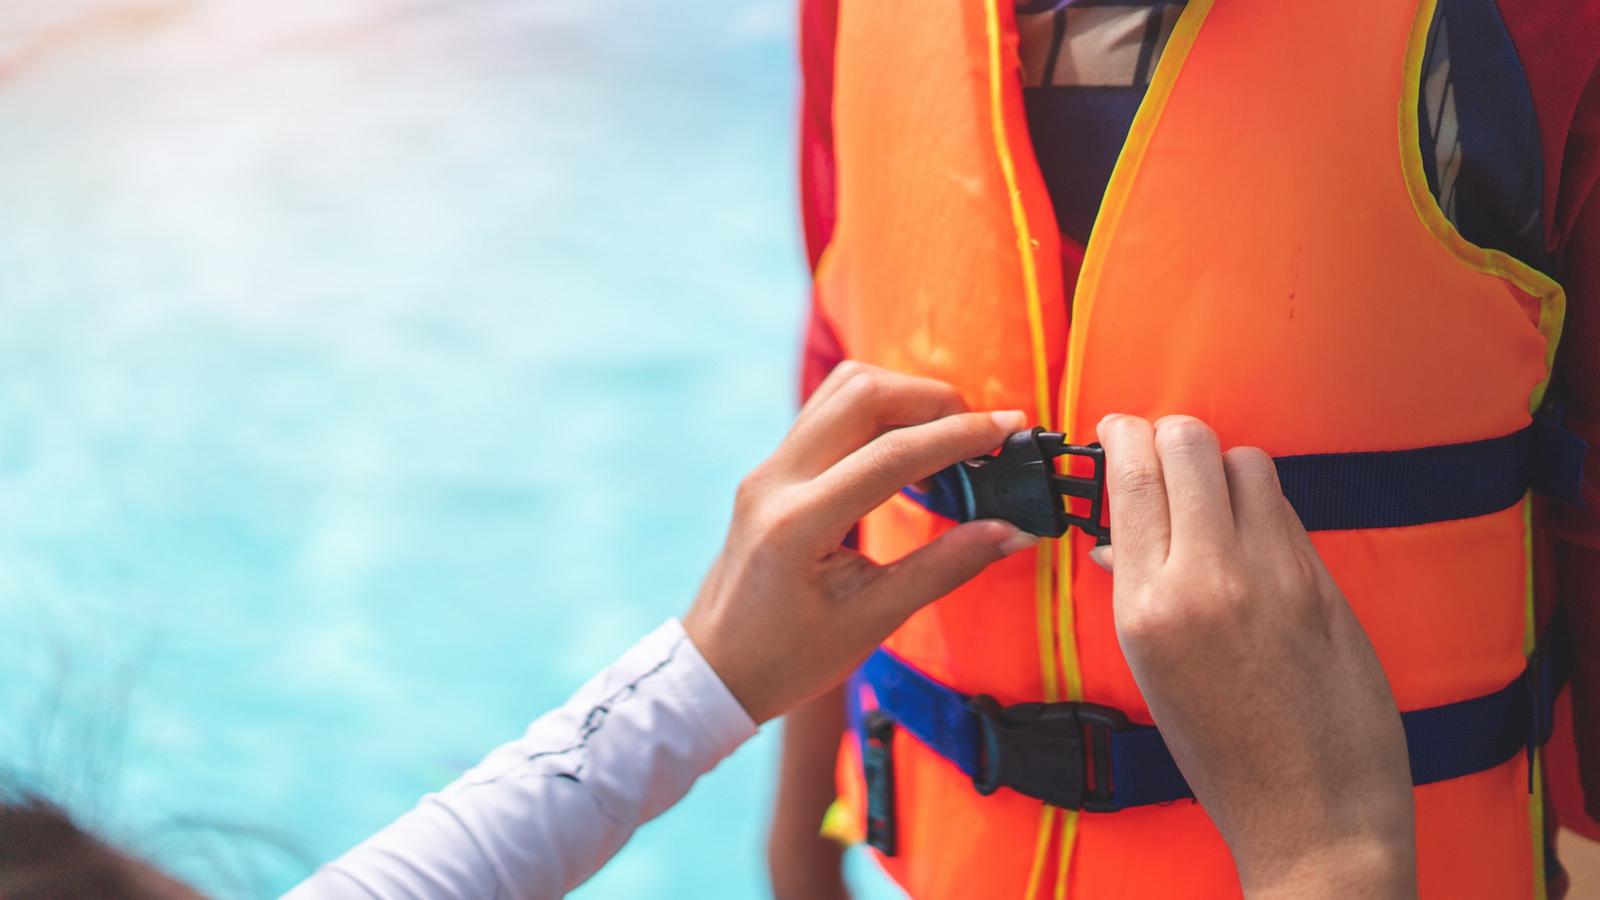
(44,855)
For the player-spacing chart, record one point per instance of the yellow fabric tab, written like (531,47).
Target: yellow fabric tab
(843,823)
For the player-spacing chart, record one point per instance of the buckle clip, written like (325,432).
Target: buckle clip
(1056,752)
(1020,484)
(877,763)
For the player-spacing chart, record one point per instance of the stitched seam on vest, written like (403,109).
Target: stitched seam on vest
(1552,299)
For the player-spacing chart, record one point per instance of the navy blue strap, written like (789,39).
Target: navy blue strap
(1558,455)
(1444,742)
(937,715)
(1389,488)
(949,494)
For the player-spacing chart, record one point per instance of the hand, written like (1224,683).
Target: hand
(1256,671)
(786,611)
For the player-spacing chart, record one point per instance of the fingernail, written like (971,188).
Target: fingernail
(1010,419)
(1101,556)
(1022,540)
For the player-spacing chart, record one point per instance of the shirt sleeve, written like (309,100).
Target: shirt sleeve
(541,814)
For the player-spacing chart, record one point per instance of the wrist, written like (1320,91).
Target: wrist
(1377,866)
(724,665)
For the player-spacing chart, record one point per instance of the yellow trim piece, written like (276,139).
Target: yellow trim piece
(1118,190)
(1530,625)
(1530,641)
(1041,383)
(1066,622)
(1552,315)
(842,824)
(1552,299)
(1040,845)
(1019,215)
(1552,318)
(1069,836)
(1042,593)
(1541,890)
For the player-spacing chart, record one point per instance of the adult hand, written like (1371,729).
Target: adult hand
(786,611)
(1260,678)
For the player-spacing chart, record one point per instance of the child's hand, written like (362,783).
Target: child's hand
(1257,673)
(786,611)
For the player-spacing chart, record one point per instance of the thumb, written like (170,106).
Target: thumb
(946,563)
(1102,557)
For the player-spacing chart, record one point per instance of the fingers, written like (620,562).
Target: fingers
(841,373)
(1261,513)
(1197,487)
(1254,496)
(862,481)
(856,404)
(940,567)
(1141,527)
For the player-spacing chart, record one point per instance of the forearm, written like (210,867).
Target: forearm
(541,814)
(803,862)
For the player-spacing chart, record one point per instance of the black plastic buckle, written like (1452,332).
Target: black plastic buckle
(1056,752)
(877,762)
(1020,484)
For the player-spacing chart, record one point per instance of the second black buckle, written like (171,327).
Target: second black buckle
(1056,752)
(1020,484)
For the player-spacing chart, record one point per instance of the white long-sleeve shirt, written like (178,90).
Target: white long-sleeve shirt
(541,814)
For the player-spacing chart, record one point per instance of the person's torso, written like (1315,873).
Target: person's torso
(1271,255)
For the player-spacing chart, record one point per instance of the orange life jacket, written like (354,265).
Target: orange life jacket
(1268,257)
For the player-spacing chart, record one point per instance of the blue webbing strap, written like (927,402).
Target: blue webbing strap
(1558,455)
(1391,488)
(948,494)
(1443,741)
(937,715)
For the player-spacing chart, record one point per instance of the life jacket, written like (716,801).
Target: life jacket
(1268,257)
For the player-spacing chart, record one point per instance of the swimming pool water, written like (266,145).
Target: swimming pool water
(370,373)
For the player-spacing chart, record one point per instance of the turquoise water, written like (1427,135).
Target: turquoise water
(370,373)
